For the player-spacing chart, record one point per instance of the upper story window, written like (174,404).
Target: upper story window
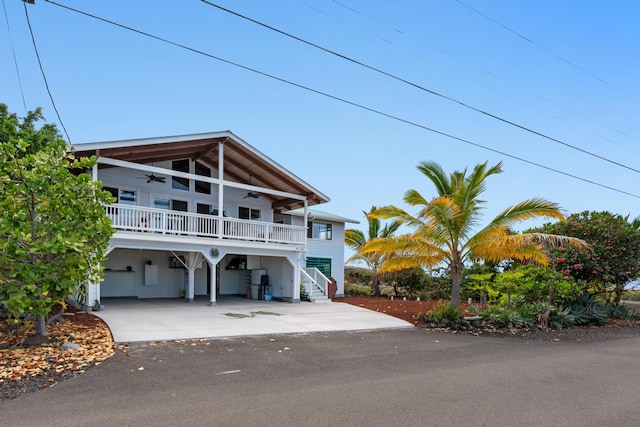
(319,230)
(178,182)
(203,187)
(170,204)
(249,213)
(124,197)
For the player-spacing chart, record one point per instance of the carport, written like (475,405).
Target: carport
(132,320)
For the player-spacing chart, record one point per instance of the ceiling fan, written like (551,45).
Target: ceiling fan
(251,194)
(153,178)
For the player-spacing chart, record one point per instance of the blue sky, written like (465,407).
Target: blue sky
(568,70)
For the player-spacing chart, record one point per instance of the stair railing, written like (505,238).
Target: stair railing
(316,277)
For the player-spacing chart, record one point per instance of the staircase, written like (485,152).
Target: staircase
(314,293)
(312,281)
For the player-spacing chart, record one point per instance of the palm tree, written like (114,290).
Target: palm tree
(356,240)
(444,226)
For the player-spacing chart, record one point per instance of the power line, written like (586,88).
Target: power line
(422,88)
(44,77)
(339,99)
(464,61)
(528,40)
(15,60)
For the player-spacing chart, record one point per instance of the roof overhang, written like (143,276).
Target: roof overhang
(243,163)
(313,214)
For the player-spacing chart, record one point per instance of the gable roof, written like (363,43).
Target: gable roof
(243,163)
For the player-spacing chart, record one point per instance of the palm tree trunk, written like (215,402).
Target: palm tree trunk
(456,277)
(376,285)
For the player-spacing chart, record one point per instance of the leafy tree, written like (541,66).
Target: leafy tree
(356,240)
(54,231)
(408,282)
(443,229)
(12,129)
(482,283)
(615,260)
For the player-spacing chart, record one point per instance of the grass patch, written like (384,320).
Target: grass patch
(251,314)
(238,315)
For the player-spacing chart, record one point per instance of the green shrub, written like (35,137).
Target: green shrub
(562,317)
(304,296)
(357,290)
(512,317)
(387,292)
(444,311)
(631,295)
(588,310)
(622,311)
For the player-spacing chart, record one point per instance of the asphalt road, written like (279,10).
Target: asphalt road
(384,378)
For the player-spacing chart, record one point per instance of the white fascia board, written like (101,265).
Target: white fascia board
(87,146)
(314,214)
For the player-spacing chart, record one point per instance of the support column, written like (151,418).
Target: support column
(193,261)
(297,278)
(212,284)
(220,188)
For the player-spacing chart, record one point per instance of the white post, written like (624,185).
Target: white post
(212,284)
(297,280)
(220,187)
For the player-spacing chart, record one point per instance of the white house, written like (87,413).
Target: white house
(210,215)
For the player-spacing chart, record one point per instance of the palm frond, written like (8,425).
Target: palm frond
(354,238)
(392,212)
(414,198)
(528,247)
(532,208)
(554,241)
(437,176)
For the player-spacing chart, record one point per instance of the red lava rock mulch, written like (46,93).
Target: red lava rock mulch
(406,310)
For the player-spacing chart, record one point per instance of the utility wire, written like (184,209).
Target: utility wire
(464,61)
(44,77)
(15,60)
(417,86)
(528,40)
(339,99)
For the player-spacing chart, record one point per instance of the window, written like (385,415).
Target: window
(322,264)
(203,187)
(214,211)
(319,230)
(203,208)
(169,204)
(177,182)
(124,197)
(249,213)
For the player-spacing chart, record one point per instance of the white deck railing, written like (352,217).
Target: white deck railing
(152,220)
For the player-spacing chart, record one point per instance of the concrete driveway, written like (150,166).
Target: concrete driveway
(132,320)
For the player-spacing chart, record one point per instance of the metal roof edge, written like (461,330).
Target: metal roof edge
(315,214)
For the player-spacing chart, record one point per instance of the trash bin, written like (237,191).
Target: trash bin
(333,288)
(268,289)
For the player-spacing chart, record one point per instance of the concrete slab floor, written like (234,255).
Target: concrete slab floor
(132,320)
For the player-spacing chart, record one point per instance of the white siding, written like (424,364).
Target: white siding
(333,249)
